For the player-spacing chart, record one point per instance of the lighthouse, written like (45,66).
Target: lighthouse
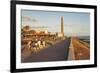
(61,34)
(62,26)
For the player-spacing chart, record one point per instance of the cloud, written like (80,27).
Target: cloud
(28,18)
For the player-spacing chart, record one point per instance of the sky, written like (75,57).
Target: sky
(75,23)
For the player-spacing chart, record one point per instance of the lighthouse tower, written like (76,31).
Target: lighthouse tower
(61,34)
(62,26)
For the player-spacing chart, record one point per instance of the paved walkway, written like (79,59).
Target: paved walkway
(57,52)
